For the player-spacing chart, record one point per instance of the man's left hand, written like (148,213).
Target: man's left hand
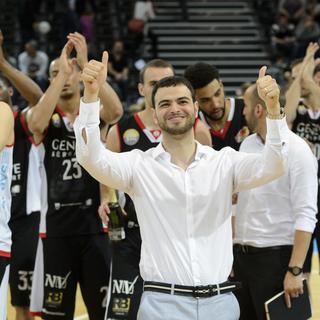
(293,287)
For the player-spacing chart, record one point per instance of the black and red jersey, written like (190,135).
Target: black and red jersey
(25,199)
(73,196)
(134,135)
(235,129)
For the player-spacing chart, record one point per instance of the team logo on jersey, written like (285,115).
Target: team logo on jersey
(121,306)
(131,137)
(302,109)
(156,133)
(242,134)
(56,121)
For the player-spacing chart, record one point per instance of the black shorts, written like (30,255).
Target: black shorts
(4,273)
(126,284)
(25,235)
(316,237)
(71,260)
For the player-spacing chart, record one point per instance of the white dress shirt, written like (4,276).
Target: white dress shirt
(184,215)
(269,215)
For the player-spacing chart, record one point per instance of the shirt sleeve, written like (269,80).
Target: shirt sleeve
(254,170)
(110,168)
(303,186)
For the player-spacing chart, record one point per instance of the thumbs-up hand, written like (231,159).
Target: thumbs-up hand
(269,92)
(94,75)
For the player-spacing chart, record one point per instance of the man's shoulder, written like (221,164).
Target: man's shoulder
(248,142)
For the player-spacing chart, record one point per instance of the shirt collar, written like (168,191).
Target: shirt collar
(159,151)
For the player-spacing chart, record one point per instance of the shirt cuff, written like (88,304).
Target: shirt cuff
(273,130)
(89,113)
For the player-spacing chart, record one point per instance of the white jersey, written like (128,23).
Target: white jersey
(5,199)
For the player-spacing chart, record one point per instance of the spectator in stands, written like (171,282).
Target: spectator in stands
(143,12)
(283,38)
(293,9)
(118,68)
(34,63)
(307,31)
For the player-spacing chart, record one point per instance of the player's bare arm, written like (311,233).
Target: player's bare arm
(28,89)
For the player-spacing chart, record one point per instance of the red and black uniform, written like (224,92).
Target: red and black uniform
(74,246)
(25,212)
(307,126)
(126,283)
(235,129)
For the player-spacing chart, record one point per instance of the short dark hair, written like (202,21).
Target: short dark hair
(155,63)
(201,74)
(172,81)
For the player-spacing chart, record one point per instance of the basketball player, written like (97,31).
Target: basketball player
(223,116)
(25,207)
(72,233)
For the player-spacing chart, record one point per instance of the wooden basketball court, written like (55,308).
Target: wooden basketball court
(80,313)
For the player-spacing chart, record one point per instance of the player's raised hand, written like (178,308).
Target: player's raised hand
(94,75)
(269,91)
(80,45)
(66,64)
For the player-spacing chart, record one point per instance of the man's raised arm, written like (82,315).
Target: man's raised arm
(109,168)
(28,89)
(253,170)
(111,110)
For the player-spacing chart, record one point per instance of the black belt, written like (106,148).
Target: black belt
(250,249)
(196,292)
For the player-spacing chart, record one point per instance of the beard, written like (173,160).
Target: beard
(215,116)
(178,130)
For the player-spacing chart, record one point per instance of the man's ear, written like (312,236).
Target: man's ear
(196,106)
(10,91)
(141,89)
(259,110)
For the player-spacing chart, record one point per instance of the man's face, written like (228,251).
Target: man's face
(71,86)
(151,76)
(211,100)
(30,50)
(175,111)
(249,109)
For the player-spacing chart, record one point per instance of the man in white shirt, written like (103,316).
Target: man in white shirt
(274,223)
(182,194)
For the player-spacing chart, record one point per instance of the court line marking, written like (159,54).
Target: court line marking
(82,317)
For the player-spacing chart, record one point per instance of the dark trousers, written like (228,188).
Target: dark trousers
(261,273)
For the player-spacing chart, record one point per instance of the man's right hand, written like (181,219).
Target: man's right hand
(66,64)
(308,63)
(94,76)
